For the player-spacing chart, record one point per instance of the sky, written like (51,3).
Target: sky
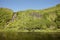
(18,5)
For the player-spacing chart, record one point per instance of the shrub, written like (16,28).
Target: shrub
(5,16)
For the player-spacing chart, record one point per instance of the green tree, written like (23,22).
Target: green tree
(5,16)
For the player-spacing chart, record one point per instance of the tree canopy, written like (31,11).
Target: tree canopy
(31,19)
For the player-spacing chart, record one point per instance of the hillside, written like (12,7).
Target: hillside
(5,17)
(30,20)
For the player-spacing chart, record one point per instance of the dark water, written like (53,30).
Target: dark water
(29,36)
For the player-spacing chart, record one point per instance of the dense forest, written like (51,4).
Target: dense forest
(30,20)
(46,20)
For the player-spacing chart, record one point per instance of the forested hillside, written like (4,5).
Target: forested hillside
(30,24)
(30,20)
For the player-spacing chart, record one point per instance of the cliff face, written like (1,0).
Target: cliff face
(36,14)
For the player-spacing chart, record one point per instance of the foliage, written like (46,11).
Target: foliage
(30,24)
(31,20)
(5,16)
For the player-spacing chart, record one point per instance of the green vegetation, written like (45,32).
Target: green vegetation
(31,20)
(46,22)
(5,16)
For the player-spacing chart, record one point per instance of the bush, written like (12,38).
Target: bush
(5,16)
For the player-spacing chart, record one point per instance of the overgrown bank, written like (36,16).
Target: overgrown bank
(30,24)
